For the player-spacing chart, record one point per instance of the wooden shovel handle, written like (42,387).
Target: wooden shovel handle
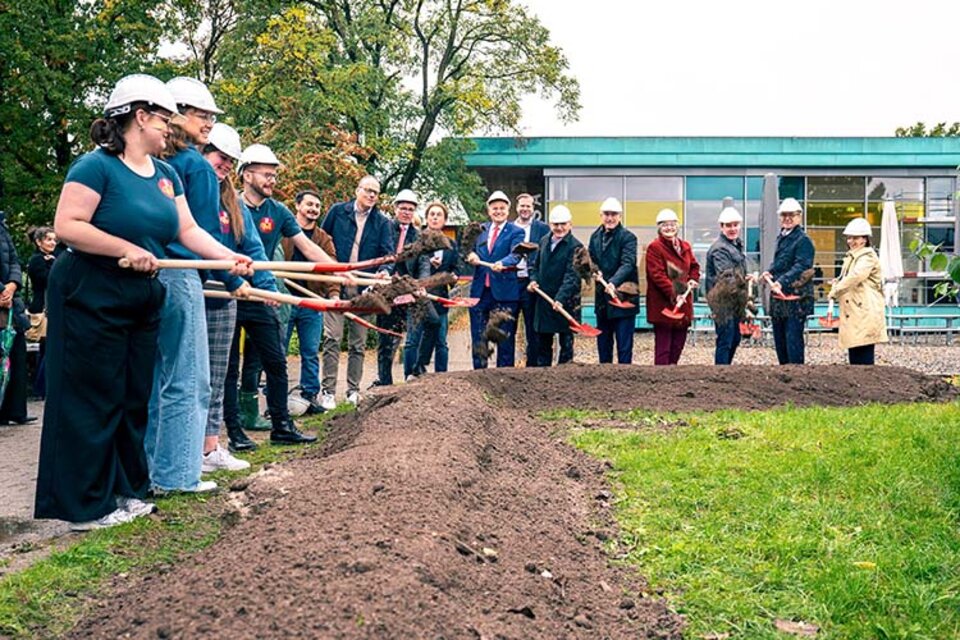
(559,308)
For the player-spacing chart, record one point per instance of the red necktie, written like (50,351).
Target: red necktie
(492,241)
(403,235)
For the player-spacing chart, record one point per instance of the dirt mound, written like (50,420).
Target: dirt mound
(431,515)
(690,388)
(442,509)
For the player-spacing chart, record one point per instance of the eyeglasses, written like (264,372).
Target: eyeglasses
(203,115)
(167,120)
(266,176)
(369,191)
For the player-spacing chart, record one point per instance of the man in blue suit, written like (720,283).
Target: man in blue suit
(496,287)
(360,232)
(533,231)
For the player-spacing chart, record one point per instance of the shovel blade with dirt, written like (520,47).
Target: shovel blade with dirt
(777,293)
(577,327)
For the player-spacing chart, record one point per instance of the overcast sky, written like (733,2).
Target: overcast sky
(745,67)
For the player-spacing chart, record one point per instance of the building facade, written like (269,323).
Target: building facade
(835,179)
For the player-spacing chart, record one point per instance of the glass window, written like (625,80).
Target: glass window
(791,187)
(751,216)
(714,188)
(666,188)
(838,214)
(940,187)
(586,189)
(943,236)
(834,188)
(900,188)
(940,194)
(751,242)
(827,240)
(705,213)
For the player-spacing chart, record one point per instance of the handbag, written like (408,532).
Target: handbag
(38,327)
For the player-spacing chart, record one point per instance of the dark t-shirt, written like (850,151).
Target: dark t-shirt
(273,220)
(202,191)
(137,209)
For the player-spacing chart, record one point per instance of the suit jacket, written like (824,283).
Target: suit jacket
(723,255)
(618,264)
(538,229)
(504,285)
(793,255)
(375,242)
(554,273)
(662,289)
(407,267)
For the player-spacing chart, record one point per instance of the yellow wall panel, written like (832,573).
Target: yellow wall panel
(644,213)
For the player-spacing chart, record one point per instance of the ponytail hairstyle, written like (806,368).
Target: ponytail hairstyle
(230,203)
(107,132)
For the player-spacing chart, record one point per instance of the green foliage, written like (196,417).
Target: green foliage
(845,518)
(940,261)
(939,130)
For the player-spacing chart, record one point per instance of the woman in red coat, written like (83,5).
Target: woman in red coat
(671,268)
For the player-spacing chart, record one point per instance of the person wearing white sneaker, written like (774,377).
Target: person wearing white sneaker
(353,398)
(112,519)
(135,506)
(328,402)
(220,460)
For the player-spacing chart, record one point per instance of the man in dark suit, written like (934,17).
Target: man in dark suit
(792,273)
(496,286)
(404,232)
(613,249)
(554,274)
(533,231)
(360,232)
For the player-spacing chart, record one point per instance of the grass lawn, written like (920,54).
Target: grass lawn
(843,518)
(46,599)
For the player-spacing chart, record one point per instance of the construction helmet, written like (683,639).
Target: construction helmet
(789,205)
(256,154)
(406,195)
(498,196)
(139,87)
(667,215)
(226,139)
(858,227)
(192,93)
(560,214)
(611,205)
(728,215)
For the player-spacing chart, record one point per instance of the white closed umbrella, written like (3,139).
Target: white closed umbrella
(891,259)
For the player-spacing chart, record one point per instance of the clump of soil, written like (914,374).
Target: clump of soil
(439,279)
(728,297)
(468,238)
(629,288)
(582,264)
(525,248)
(676,274)
(371,298)
(803,278)
(427,242)
(492,333)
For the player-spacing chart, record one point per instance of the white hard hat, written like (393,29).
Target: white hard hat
(192,93)
(498,196)
(611,205)
(560,214)
(667,215)
(138,87)
(858,227)
(406,195)
(226,139)
(789,205)
(728,215)
(297,405)
(256,154)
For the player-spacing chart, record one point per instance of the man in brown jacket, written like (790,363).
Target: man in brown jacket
(309,323)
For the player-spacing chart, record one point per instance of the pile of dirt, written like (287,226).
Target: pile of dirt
(444,509)
(430,514)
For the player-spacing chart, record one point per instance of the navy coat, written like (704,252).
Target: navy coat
(504,285)
(617,264)
(557,278)
(377,239)
(793,255)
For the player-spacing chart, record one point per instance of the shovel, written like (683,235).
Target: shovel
(779,295)
(676,313)
(614,300)
(489,265)
(347,314)
(317,305)
(269,265)
(829,322)
(450,303)
(447,302)
(577,327)
(748,325)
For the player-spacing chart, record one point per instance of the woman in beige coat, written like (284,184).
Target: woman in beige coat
(859,289)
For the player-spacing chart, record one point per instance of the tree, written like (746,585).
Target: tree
(939,130)
(59,60)
(940,261)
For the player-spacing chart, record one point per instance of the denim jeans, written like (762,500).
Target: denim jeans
(620,329)
(411,346)
(480,315)
(177,413)
(728,339)
(788,338)
(309,325)
(434,342)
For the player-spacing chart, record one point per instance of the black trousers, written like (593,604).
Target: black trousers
(14,406)
(862,354)
(545,348)
(102,326)
(261,323)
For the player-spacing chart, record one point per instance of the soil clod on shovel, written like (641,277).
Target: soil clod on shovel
(728,297)
(582,264)
(492,333)
(428,242)
(469,237)
(525,248)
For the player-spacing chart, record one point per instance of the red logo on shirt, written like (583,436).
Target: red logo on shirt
(266,225)
(166,187)
(224,222)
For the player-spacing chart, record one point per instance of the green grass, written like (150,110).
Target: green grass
(47,598)
(846,518)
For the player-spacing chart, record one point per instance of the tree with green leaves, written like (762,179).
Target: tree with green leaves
(940,261)
(939,130)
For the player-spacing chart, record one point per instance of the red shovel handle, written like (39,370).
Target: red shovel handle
(779,295)
(614,299)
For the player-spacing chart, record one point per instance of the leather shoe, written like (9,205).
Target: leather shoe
(21,421)
(314,407)
(286,432)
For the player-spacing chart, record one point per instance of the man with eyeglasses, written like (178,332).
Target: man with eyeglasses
(258,169)
(792,274)
(360,232)
(533,231)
